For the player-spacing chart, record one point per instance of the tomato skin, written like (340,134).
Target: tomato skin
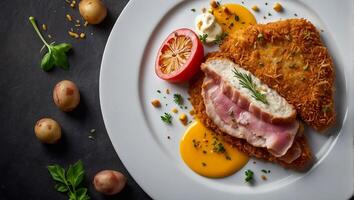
(192,65)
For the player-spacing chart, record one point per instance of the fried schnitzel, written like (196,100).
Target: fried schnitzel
(289,57)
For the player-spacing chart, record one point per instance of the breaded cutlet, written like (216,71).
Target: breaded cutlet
(301,163)
(290,57)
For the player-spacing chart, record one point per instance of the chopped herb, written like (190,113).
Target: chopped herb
(295,14)
(219,148)
(203,38)
(268,171)
(219,38)
(249,176)
(264,171)
(266,3)
(269,14)
(158,91)
(168,137)
(237,18)
(264,17)
(228,157)
(204,164)
(185,107)
(193,9)
(167,118)
(204,152)
(246,81)
(178,99)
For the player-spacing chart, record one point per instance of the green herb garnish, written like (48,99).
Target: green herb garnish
(56,55)
(193,9)
(246,81)
(219,148)
(264,171)
(219,38)
(237,18)
(249,176)
(178,99)
(167,118)
(69,181)
(203,38)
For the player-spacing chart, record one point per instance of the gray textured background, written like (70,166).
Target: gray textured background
(25,97)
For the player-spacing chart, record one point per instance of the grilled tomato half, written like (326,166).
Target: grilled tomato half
(179,56)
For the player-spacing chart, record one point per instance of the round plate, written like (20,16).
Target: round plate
(150,149)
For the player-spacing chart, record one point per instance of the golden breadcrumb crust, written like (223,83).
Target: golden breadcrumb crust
(196,99)
(288,56)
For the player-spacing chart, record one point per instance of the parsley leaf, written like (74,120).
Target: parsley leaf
(56,55)
(178,99)
(70,180)
(249,176)
(167,118)
(203,38)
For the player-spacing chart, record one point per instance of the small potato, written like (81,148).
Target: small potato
(93,11)
(47,130)
(66,95)
(109,182)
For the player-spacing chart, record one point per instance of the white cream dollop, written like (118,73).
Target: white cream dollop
(206,24)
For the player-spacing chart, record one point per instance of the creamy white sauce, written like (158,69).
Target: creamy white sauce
(206,24)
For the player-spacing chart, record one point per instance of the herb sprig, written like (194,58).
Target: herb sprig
(56,55)
(167,118)
(249,176)
(69,181)
(247,82)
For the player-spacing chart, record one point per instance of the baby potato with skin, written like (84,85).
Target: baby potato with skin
(93,11)
(47,130)
(66,95)
(109,182)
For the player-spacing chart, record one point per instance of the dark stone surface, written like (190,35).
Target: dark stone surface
(26,96)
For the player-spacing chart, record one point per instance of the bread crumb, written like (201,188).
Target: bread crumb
(156,103)
(277,7)
(264,178)
(82,35)
(69,18)
(255,8)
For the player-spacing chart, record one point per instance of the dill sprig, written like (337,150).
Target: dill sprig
(247,82)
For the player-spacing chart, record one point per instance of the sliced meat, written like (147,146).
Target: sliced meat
(241,123)
(274,109)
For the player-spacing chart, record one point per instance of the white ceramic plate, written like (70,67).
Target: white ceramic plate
(128,84)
